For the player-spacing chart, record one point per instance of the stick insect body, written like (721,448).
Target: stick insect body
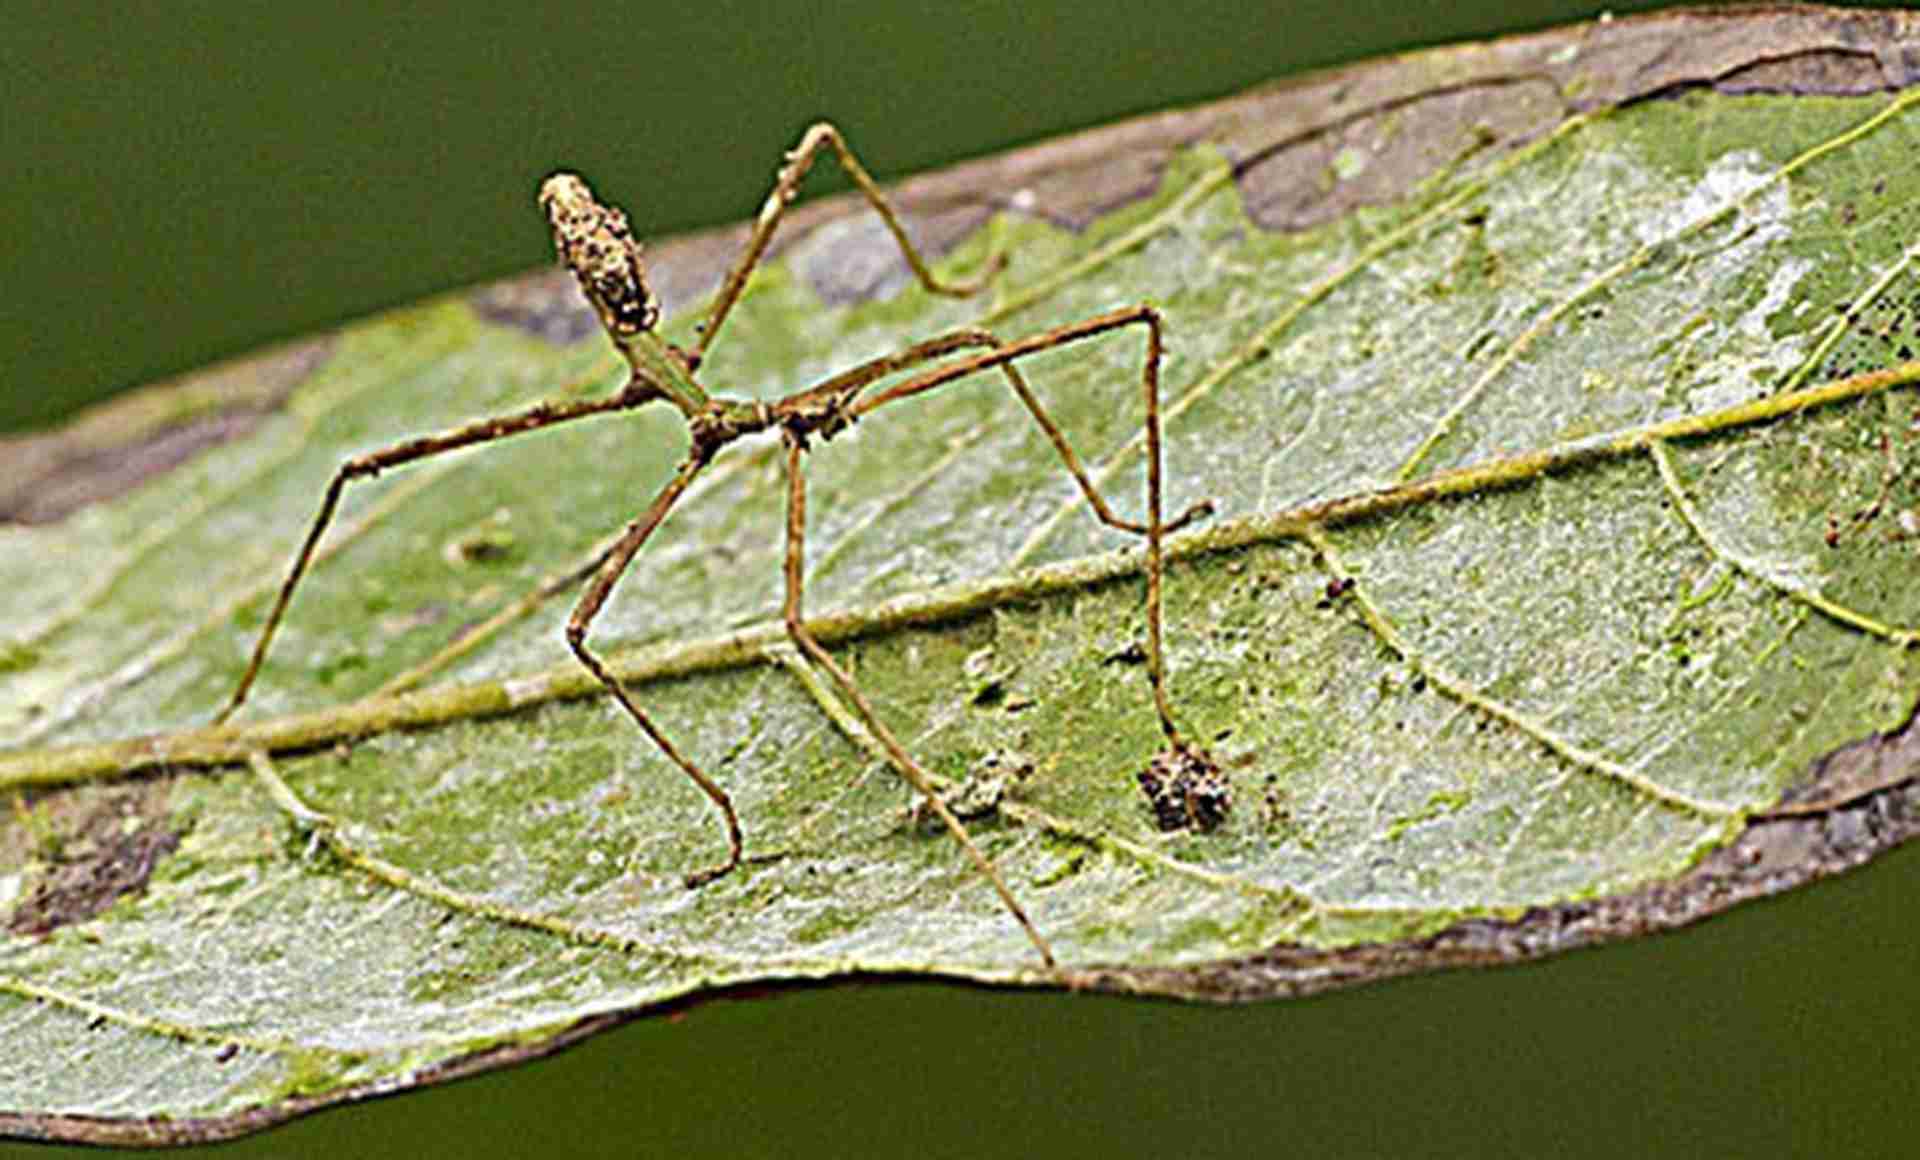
(594,241)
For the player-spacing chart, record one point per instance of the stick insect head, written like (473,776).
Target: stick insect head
(593,241)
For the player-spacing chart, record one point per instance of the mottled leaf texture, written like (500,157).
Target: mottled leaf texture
(1556,396)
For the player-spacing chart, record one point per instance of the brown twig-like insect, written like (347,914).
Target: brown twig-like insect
(594,241)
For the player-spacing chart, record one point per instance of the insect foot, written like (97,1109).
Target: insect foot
(1186,789)
(1205,509)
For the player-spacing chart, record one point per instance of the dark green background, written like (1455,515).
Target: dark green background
(184,183)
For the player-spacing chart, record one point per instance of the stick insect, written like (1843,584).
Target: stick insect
(593,240)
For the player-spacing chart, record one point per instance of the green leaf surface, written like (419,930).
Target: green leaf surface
(1567,518)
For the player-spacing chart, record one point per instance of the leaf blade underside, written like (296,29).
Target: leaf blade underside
(1567,678)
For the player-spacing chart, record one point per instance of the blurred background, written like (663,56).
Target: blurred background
(184,182)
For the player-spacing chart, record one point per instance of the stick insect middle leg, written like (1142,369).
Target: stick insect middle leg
(594,598)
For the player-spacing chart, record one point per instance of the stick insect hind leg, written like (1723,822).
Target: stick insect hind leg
(1004,355)
(827,408)
(896,753)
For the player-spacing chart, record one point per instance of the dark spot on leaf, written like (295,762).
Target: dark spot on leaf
(16,657)
(108,852)
(486,545)
(1186,789)
(330,671)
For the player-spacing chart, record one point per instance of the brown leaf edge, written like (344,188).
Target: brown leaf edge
(1856,802)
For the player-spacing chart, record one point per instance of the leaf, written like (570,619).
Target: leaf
(1564,448)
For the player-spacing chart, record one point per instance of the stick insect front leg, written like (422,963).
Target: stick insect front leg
(534,418)
(785,186)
